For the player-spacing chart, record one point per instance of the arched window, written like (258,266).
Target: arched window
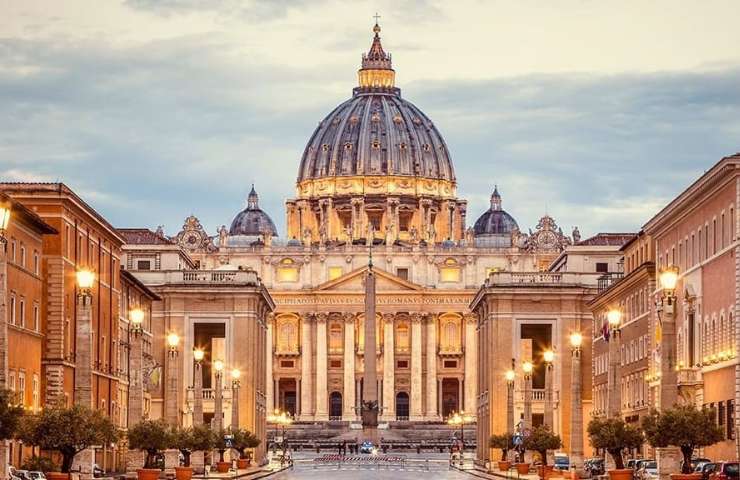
(403,338)
(335,406)
(402,406)
(336,342)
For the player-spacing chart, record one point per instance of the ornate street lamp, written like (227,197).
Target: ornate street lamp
(198,355)
(218,416)
(235,384)
(668,279)
(136,318)
(83,351)
(460,418)
(576,403)
(527,368)
(5,210)
(510,376)
(171,406)
(614,318)
(549,356)
(136,392)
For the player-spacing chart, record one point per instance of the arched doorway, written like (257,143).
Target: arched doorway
(335,406)
(402,406)
(450,396)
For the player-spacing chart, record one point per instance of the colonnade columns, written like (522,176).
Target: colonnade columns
(306,349)
(269,383)
(471,356)
(431,410)
(348,409)
(416,412)
(389,365)
(322,404)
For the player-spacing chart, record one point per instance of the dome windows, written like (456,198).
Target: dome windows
(376,144)
(375,117)
(348,146)
(325,147)
(397,119)
(427,147)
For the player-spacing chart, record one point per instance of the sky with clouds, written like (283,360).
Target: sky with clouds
(596,112)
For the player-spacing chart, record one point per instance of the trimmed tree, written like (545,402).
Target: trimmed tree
(614,436)
(10,414)
(242,440)
(683,426)
(502,441)
(69,431)
(542,439)
(151,437)
(193,439)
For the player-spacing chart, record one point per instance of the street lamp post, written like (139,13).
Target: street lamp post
(460,418)
(173,340)
(510,377)
(667,324)
(83,347)
(614,317)
(235,384)
(136,393)
(576,403)
(548,357)
(5,210)
(198,355)
(218,412)
(527,368)
(280,418)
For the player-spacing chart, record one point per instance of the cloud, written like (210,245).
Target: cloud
(156,130)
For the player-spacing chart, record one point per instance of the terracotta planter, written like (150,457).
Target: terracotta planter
(504,465)
(685,476)
(148,473)
(522,468)
(57,476)
(223,467)
(183,473)
(243,463)
(544,471)
(621,474)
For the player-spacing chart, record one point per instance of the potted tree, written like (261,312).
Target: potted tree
(504,442)
(221,442)
(10,414)
(69,431)
(540,440)
(187,441)
(243,441)
(151,437)
(685,427)
(615,436)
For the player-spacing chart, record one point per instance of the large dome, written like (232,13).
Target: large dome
(252,221)
(376,132)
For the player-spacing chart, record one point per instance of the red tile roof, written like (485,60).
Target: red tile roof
(143,236)
(607,239)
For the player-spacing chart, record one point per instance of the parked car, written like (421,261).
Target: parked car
(648,470)
(97,471)
(725,471)
(36,475)
(367,447)
(694,462)
(632,463)
(561,461)
(594,466)
(706,469)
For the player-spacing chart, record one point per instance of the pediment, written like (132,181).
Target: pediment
(355,281)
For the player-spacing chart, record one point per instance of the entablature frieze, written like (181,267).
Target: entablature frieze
(454,301)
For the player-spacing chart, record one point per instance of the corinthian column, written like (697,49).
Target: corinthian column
(389,365)
(415,413)
(322,410)
(348,408)
(471,356)
(306,403)
(432,367)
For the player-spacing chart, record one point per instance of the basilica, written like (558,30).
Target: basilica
(376,174)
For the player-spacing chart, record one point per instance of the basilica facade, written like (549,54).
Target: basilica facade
(376,178)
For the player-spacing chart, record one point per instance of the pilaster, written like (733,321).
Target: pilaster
(322,412)
(416,390)
(306,352)
(471,355)
(431,384)
(348,398)
(389,365)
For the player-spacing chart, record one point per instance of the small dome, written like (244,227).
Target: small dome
(495,221)
(252,220)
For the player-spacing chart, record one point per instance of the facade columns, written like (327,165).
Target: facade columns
(471,355)
(306,352)
(431,410)
(389,366)
(322,411)
(348,398)
(270,390)
(415,410)
(576,411)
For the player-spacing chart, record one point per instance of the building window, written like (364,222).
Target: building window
(36,318)
(335,364)
(23,313)
(12,310)
(12,250)
(23,255)
(450,364)
(450,271)
(35,387)
(287,271)
(335,272)
(143,265)
(402,273)
(730,419)
(402,364)
(602,267)
(36,265)
(22,388)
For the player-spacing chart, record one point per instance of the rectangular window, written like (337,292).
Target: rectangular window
(23,255)
(335,272)
(12,250)
(286,363)
(23,313)
(13,314)
(402,273)
(36,263)
(143,265)
(450,364)
(35,387)
(721,416)
(36,318)
(730,419)
(335,364)
(449,274)
(402,364)
(22,388)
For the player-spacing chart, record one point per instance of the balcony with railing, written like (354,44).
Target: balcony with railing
(606,280)
(200,277)
(209,398)
(498,279)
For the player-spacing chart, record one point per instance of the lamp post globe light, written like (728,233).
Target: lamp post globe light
(136,318)
(549,356)
(171,405)
(83,352)
(527,368)
(198,355)
(576,404)
(613,336)
(510,376)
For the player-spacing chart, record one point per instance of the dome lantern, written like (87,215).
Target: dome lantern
(377,72)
